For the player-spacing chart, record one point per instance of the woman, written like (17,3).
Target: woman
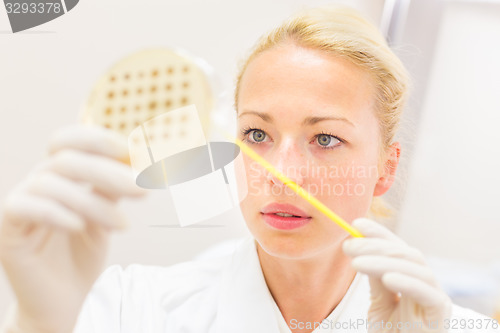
(320,98)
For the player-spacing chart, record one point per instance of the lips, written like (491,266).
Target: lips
(284,216)
(275,208)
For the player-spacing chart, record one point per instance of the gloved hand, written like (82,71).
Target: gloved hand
(403,289)
(55,226)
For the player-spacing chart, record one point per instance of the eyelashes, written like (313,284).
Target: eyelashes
(245,131)
(249,130)
(331,136)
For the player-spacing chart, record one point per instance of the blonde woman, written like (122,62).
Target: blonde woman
(320,98)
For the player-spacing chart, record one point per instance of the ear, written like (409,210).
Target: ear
(390,165)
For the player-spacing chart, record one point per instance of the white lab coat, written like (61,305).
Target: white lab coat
(223,295)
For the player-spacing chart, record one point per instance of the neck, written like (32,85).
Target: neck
(307,290)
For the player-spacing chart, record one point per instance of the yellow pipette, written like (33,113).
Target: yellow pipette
(297,189)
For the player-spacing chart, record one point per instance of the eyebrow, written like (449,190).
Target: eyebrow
(307,121)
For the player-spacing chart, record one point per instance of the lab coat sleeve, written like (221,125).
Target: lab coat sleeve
(152,299)
(101,310)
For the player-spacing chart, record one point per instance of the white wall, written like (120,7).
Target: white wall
(46,74)
(451,206)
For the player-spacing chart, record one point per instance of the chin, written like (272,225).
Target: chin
(283,246)
(299,244)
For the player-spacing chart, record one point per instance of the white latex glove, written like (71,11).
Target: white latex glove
(55,226)
(403,289)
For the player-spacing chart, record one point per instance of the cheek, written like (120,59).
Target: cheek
(251,189)
(250,179)
(346,188)
(241,176)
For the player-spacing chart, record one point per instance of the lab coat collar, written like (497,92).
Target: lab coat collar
(245,304)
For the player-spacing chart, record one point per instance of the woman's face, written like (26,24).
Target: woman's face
(311,115)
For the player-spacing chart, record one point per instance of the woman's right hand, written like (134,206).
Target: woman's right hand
(55,226)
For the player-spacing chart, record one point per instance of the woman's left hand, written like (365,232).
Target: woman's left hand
(404,293)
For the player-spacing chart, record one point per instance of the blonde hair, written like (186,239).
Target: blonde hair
(342,32)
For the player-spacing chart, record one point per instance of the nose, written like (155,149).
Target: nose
(289,161)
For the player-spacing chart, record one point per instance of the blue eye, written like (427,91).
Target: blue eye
(327,141)
(253,135)
(258,135)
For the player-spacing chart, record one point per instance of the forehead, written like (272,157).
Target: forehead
(297,81)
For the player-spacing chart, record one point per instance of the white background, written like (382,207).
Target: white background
(450,209)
